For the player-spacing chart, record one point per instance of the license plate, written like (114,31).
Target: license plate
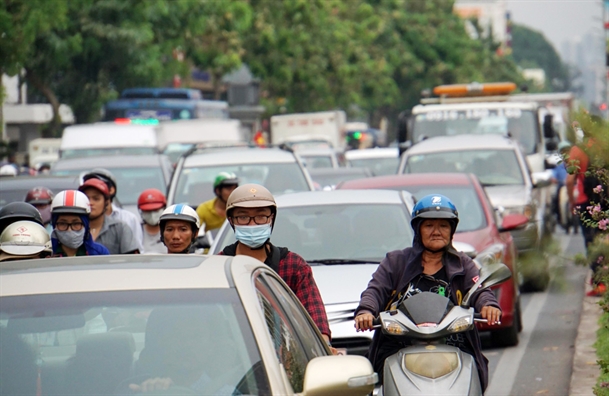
(148,114)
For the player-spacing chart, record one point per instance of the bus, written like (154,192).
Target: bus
(163,104)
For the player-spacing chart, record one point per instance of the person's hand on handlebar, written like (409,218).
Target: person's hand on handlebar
(491,314)
(364,321)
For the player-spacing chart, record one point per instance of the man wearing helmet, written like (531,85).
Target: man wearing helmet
(151,204)
(17,211)
(114,211)
(430,265)
(251,211)
(71,234)
(179,228)
(212,213)
(24,240)
(115,235)
(41,198)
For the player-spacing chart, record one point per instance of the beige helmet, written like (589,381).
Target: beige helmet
(251,196)
(24,239)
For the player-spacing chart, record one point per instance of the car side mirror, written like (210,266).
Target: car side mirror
(490,275)
(339,375)
(548,127)
(202,242)
(541,179)
(513,221)
(551,145)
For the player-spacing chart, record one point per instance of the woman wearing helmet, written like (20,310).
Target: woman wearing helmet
(16,211)
(151,204)
(24,240)
(179,228)
(41,198)
(212,213)
(430,265)
(251,211)
(71,234)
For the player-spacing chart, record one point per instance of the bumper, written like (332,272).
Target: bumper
(526,238)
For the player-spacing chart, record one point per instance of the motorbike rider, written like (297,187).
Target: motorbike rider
(16,211)
(251,211)
(151,204)
(41,198)
(430,265)
(71,234)
(114,234)
(212,213)
(179,228)
(559,176)
(24,240)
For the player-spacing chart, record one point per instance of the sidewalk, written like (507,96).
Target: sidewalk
(585,369)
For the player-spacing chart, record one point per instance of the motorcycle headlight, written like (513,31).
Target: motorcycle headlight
(460,324)
(431,365)
(394,328)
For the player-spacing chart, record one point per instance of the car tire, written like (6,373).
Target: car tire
(509,336)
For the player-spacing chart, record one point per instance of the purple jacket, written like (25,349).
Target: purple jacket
(393,275)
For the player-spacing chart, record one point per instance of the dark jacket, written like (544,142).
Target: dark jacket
(393,275)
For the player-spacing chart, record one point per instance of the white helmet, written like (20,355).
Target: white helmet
(71,202)
(8,170)
(24,238)
(180,212)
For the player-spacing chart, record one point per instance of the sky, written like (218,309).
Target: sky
(559,20)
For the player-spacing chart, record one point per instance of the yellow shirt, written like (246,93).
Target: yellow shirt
(210,219)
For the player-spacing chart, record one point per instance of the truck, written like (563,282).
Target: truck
(325,126)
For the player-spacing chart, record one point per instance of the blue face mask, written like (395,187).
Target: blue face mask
(253,236)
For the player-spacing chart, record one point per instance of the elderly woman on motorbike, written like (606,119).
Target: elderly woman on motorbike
(430,265)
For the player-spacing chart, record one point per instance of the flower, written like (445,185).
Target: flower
(598,189)
(602,224)
(594,209)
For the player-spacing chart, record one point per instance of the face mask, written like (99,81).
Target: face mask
(46,214)
(152,217)
(253,236)
(70,238)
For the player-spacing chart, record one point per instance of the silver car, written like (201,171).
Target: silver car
(343,235)
(179,324)
(380,161)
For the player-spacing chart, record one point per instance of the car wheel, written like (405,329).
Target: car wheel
(509,336)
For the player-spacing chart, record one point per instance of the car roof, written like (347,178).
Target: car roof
(462,142)
(386,152)
(117,273)
(338,171)
(244,155)
(336,197)
(325,151)
(404,180)
(109,162)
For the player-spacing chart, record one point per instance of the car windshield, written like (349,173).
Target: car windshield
(82,153)
(493,167)
(378,166)
(519,124)
(196,185)
(317,161)
(339,232)
(465,199)
(175,150)
(104,342)
(131,181)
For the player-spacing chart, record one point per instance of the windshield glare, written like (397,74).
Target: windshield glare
(196,185)
(356,231)
(378,166)
(101,343)
(519,124)
(493,167)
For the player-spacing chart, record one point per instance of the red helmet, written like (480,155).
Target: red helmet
(151,199)
(39,196)
(96,184)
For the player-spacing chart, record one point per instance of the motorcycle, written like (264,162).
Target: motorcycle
(429,366)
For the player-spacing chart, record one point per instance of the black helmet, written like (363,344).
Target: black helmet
(16,211)
(102,174)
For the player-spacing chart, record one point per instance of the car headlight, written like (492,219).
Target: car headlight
(527,210)
(432,364)
(460,324)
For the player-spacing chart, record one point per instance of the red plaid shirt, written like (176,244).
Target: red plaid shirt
(298,275)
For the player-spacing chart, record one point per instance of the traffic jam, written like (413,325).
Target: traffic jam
(146,254)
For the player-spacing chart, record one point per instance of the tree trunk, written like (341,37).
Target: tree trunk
(52,130)
(217,78)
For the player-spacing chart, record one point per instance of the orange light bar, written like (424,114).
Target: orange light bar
(474,89)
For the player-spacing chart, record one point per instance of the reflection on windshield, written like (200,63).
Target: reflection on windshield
(378,166)
(105,344)
(359,232)
(195,185)
(520,125)
(493,167)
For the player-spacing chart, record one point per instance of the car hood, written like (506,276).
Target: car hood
(342,283)
(508,196)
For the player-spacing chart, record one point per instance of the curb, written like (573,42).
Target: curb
(585,368)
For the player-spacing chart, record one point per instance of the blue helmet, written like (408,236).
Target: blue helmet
(434,206)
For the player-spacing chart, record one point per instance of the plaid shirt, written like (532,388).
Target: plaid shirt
(298,275)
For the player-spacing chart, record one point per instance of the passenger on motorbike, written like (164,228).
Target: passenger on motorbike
(179,228)
(431,265)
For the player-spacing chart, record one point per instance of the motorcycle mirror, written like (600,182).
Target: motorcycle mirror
(490,275)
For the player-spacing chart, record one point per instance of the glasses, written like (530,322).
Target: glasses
(258,219)
(74,226)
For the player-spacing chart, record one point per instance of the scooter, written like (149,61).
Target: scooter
(429,366)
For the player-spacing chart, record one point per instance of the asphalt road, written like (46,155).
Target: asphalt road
(541,364)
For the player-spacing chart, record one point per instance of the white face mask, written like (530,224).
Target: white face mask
(151,217)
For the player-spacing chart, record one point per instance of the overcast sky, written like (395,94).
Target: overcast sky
(559,20)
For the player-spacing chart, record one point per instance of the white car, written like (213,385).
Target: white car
(380,161)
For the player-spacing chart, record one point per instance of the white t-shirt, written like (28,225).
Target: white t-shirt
(152,243)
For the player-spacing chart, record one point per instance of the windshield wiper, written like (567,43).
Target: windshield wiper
(342,261)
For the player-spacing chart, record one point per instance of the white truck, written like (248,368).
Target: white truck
(43,151)
(327,126)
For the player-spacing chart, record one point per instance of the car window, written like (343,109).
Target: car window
(100,343)
(493,167)
(378,166)
(317,161)
(357,231)
(195,185)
